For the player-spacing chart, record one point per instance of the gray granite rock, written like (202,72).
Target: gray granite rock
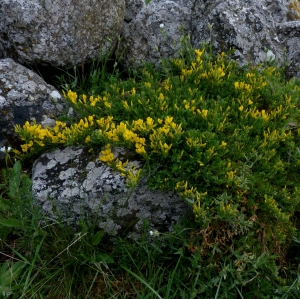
(70,185)
(132,8)
(155,33)
(25,96)
(59,32)
(246,26)
(289,33)
(250,27)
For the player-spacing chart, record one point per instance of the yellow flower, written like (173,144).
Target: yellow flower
(204,113)
(107,155)
(199,54)
(72,96)
(140,149)
(230,174)
(148,84)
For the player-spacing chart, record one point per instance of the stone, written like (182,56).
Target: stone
(70,185)
(154,33)
(25,96)
(247,27)
(289,32)
(59,32)
(132,8)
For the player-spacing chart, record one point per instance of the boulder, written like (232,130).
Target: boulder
(132,8)
(59,32)
(154,33)
(289,32)
(25,96)
(73,186)
(250,27)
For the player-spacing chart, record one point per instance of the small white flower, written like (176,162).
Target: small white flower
(162,25)
(154,233)
(5,150)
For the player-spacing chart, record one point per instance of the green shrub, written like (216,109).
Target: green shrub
(226,138)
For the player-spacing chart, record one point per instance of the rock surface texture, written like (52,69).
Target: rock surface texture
(258,30)
(69,184)
(25,96)
(246,26)
(289,32)
(155,33)
(59,32)
(132,8)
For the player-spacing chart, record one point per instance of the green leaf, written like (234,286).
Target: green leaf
(142,281)
(97,238)
(11,223)
(104,258)
(17,167)
(4,204)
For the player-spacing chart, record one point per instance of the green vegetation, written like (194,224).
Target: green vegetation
(226,138)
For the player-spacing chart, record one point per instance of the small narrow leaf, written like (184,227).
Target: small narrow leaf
(4,204)
(97,238)
(11,223)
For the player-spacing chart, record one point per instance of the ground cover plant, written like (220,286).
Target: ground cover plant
(226,138)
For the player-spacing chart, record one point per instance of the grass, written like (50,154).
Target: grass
(42,259)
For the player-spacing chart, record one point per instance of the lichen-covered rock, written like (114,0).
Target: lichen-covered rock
(155,33)
(59,32)
(25,96)
(289,33)
(70,185)
(132,8)
(248,27)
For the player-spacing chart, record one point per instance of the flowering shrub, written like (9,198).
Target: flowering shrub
(226,138)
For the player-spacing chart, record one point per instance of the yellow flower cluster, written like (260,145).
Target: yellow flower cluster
(34,134)
(274,137)
(77,131)
(129,171)
(258,81)
(243,86)
(193,197)
(214,72)
(228,211)
(107,155)
(274,210)
(168,132)
(59,134)
(87,101)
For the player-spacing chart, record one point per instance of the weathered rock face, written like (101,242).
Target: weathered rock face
(250,27)
(132,8)
(246,26)
(289,32)
(70,184)
(59,32)
(25,96)
(155,33)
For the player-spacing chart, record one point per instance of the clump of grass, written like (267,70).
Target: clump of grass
(227,139)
